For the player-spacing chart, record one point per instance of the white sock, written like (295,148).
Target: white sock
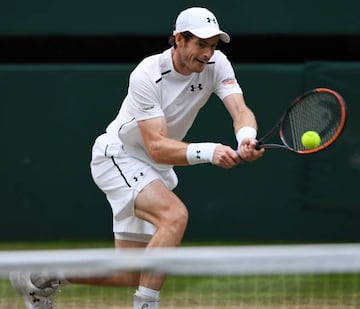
(149,292)
(146,298)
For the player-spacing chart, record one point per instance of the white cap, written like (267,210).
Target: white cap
(200,22)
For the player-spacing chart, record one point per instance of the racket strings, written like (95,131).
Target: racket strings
(317,111)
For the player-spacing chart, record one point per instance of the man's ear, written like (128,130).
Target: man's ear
(179,39)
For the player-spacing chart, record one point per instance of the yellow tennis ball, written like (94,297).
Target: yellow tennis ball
(311,139)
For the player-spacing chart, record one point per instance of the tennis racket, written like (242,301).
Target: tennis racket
(321,110)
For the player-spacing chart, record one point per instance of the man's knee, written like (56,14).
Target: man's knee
(175,219)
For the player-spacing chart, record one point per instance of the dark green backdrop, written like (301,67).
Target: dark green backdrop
(50,115)
(109,17)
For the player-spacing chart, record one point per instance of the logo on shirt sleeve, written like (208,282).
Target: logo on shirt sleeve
(228,81)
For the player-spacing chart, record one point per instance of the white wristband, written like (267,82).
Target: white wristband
(198,153)
(245,132)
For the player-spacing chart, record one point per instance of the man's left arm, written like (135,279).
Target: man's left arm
(245,126)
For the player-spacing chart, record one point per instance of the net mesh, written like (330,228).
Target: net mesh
(292,276)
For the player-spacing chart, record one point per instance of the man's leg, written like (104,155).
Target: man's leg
(37,289)
(122,279)
(160,206)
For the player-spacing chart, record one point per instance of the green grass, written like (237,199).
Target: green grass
(299,289)
(306,291)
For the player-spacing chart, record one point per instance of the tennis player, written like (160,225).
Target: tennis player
(132,162)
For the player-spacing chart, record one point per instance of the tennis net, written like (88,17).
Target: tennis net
(262,277)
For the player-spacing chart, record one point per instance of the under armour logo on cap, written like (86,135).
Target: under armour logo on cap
(211,20)
(200,22)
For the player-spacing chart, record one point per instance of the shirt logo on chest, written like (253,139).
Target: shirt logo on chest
(198,87)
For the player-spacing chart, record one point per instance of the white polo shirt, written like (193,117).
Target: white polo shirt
(157,90)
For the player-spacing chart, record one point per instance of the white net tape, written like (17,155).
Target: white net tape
(233,260)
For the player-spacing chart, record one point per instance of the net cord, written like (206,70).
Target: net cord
(217,260)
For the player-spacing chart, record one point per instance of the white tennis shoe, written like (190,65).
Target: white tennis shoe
(34,297)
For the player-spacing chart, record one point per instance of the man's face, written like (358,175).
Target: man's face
(193,55)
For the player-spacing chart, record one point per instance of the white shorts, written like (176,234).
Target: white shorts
(121,177)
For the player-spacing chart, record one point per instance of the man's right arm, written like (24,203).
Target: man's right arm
(165,150)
